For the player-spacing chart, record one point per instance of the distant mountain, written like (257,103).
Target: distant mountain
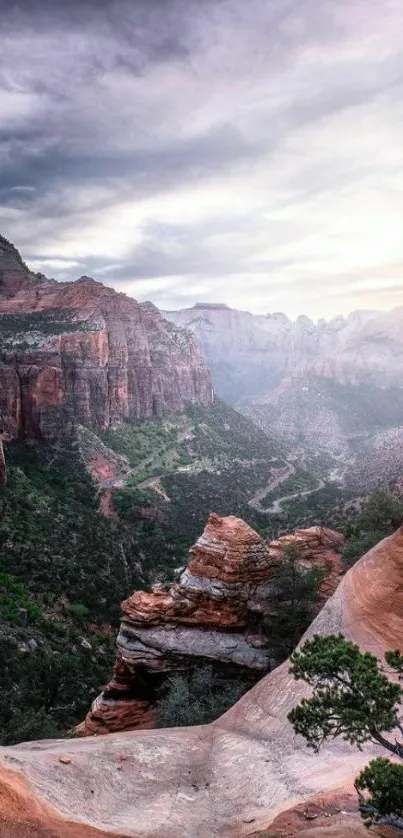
(326,384)
(249,354)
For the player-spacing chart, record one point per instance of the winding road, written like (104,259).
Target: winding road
(277,507)
(284,474)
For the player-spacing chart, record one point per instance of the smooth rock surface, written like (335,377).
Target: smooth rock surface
(231,778)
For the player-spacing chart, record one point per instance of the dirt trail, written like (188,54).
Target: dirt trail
(154,484)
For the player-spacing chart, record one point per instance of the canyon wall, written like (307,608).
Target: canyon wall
(364,347)
(80,352)
(213,614)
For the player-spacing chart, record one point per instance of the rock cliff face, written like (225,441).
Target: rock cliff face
(231,778)
(330,383)
(337,385)
(81,353)
(364,347)
(212,614)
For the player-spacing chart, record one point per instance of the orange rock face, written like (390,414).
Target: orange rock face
(330,815)
(79,352)
(230,551)
(317,547)
(213,613)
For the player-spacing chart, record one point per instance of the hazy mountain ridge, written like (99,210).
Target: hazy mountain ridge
(364,347)
(335,385)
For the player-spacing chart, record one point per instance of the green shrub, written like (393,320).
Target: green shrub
(78,610)
(198,697)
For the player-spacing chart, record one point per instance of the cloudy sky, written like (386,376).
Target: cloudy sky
(239,151)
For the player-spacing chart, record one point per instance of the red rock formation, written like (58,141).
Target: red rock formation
(317,547)
(229,779)
(80,352)
(331,815)
(211,614)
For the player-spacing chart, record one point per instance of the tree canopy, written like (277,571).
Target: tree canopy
(354,698)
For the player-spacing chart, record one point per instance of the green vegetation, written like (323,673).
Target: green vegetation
(382,514)
(64,569)
(51,322)
(15,603)
(380,791)
(145,443)
(198,697)
(52,537)
(211,460)
(297,593)
(47,682)
(353,698)
(303,481)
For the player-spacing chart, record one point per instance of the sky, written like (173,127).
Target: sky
(247,152)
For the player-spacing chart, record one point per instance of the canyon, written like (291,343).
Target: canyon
(335,385)
(81,353)
(77,356)
(212,614)
(231,778)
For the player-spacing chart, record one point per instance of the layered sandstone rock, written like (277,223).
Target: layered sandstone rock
(231,778)
(212,614)
(79,352)
(318,547)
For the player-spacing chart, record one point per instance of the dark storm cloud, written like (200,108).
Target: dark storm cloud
(197,140)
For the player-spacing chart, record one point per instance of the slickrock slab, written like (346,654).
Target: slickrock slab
(234,777)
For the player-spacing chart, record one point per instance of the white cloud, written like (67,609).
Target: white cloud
(256,160)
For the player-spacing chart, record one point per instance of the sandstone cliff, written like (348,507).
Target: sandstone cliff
(231,778)
(82,353)
(336,384)
(212,614)
(364,347)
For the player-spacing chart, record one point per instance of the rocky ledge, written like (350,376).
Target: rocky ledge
(212,614)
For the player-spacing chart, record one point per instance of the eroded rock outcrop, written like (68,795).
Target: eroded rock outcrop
(212,614)
(231,778)
(78,352)
(316,547)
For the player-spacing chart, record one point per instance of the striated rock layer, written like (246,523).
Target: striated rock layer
(228,779)
(78,352)
(212,614)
